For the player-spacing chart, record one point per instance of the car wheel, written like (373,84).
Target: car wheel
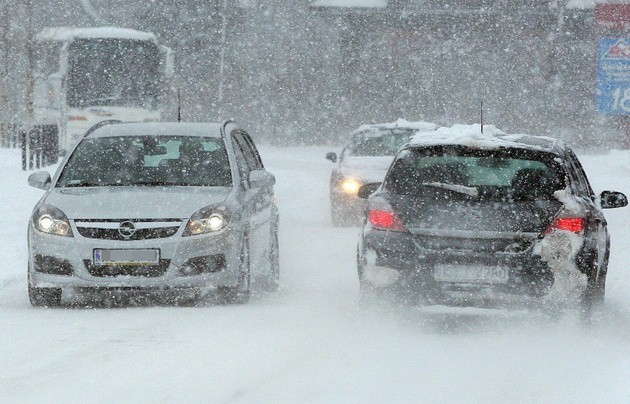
(270,281)
(44,297)
(595,291)
(240,293)
(368,294)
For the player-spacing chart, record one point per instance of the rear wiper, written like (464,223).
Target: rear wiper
(462,189)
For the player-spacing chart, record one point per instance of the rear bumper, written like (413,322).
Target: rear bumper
(392,260)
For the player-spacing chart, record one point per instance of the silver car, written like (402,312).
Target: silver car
(175,209)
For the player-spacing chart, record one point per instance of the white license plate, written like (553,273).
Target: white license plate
(126,257)
(470,274)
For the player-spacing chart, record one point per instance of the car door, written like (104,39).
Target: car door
(597,238)
(259,201)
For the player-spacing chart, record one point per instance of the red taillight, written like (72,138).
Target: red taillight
(386,220)
(77,118)
(572,224)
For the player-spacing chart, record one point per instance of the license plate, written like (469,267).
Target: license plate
(126,257)
(470,274)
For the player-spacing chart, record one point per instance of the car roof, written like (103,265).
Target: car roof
(419,126)
(491,138)
(157,129)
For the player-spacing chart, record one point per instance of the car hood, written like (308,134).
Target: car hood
(366,169)
(134,202)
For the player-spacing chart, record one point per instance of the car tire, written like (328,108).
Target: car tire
(44,297)
(271,281)
(240,293)
(595,292)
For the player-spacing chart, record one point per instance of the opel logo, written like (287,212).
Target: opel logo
(127,229)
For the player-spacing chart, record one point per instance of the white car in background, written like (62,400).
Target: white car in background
(365,159)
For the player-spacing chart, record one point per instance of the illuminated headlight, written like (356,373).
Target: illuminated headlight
(51,220)
(207,220)
(350,186)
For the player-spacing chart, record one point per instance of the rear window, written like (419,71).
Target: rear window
(146,160)
(504,173)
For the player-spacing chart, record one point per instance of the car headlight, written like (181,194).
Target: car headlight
(207,220)
(350,186)
(51,220)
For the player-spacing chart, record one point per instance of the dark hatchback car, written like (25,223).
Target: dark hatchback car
(462,214)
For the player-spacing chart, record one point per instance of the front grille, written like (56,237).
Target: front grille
(140,234)
(148,271)
(144,229)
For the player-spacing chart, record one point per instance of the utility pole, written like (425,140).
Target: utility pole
(222,55)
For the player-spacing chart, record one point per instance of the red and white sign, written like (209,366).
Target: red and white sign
(613,17)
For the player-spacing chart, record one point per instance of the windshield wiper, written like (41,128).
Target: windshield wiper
(84,184)
(462,189)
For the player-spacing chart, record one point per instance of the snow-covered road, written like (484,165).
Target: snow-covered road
(311,341)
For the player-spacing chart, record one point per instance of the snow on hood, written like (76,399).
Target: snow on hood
(134,202)
(366,169)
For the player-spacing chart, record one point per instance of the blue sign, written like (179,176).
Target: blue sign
(613,76)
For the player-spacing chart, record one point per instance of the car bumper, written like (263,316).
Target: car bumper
(392,260)
(68,262)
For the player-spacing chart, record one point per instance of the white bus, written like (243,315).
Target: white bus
(87,75)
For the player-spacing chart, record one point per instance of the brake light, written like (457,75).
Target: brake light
(386,220)
(572,224)
(77,118)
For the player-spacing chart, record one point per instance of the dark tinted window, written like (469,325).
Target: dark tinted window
(501,174)
(144,160)
(117,72)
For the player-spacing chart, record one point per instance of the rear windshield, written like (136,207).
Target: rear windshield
(517,174)
(148,161)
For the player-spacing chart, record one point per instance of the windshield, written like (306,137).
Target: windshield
(117,72)
(147,161)
(378,143)
(492,174)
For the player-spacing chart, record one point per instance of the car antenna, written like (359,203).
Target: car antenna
(179,107)
(481,116)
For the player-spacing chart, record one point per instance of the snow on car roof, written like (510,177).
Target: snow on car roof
(419,126)
(350,3)
(491,138)
(69,33)
(158,129)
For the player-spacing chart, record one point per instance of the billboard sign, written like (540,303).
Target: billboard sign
(613,75)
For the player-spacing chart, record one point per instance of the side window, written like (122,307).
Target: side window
(583,184)
(246,158)
(254,151)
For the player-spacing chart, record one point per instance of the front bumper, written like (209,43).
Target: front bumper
(68,262)
(392,260)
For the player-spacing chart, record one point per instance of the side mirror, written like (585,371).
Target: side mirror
(368,189)
(332,156)
(612,199)
(261,179)
(40,180)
